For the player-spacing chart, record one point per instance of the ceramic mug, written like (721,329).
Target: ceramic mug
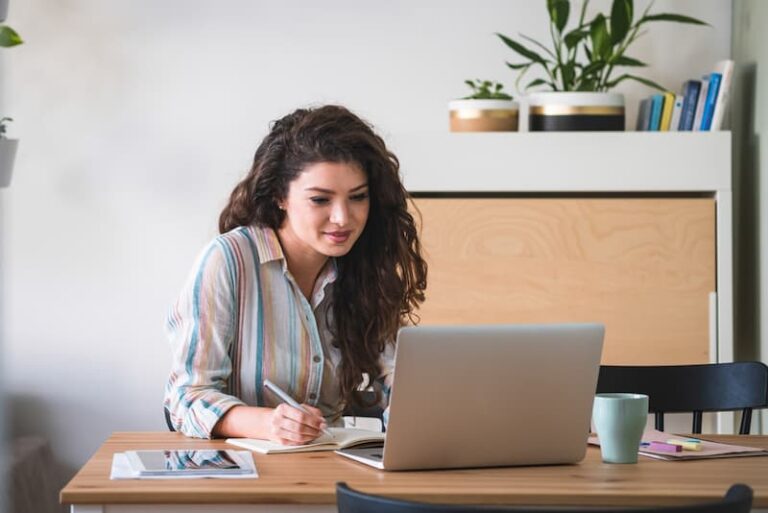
(620,420)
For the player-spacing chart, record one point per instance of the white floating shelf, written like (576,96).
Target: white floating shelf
(565,161)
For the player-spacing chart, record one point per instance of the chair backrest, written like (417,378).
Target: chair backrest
(738,499)
(692,388)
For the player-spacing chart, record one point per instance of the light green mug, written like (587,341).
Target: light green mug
(620,420)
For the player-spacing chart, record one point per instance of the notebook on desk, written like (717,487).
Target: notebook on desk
(483,396)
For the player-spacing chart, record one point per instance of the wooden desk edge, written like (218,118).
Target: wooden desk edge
(82,489)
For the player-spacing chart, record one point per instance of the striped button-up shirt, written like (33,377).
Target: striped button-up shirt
(241,319)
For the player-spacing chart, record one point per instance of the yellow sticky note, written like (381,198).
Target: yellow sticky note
(688,446)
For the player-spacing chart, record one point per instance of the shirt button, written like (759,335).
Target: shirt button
(316,359)
(313,396)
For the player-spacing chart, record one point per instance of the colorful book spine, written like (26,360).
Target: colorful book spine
(709,104)
(657,101)
(677,110)
(690,100)
(725,68)
(643,115)
(703,91)
(666,111)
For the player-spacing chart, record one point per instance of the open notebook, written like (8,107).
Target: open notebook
(342,438)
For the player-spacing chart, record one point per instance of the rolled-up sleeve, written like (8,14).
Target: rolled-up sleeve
(201,328)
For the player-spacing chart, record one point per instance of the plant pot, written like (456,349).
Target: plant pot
(484,115)
(7,155)
(566,111)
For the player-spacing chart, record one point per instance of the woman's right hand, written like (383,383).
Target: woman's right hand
(285,425)
(291,426)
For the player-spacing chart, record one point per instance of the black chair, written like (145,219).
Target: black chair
(692,388)
(738,499)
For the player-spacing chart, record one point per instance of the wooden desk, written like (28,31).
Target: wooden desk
(305,482)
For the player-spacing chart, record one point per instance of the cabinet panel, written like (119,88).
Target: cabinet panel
(642,266)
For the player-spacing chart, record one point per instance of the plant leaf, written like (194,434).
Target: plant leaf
(598,31)
(626,76)
(677,18)
(518,66)
(623,60)
(9,37)
(621,20)
(550,52)
(522,50)
(540,81)
(558,13)
(573,37)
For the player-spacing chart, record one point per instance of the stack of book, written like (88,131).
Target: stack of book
(700,106)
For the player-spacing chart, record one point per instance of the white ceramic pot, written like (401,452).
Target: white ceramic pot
(566,111)
(483,115)
(7,156)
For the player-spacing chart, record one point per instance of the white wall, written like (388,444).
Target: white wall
(136,119)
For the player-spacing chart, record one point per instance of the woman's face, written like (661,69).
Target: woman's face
(326,209)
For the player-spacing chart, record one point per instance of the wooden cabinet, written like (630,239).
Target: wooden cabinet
(632,229)
(643,266)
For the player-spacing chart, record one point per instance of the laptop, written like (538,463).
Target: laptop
(489,395)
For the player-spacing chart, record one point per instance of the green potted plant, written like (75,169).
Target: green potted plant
(8,37)
(487,109)
(580,67)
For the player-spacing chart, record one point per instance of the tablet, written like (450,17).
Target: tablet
(207,462)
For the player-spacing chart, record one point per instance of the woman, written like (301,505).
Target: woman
(317,266)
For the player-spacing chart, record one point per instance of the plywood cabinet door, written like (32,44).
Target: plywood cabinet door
(642,266)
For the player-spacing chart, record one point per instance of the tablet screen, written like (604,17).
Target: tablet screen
(187,460)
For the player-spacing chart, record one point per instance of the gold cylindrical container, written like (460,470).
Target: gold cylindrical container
(483,116)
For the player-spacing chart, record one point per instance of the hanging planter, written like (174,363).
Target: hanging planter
(559,111)
(7,154)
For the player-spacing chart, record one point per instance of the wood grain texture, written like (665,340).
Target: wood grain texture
(642,266)
(309,478)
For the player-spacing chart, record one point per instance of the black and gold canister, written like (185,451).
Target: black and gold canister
(484,115)
(566,111)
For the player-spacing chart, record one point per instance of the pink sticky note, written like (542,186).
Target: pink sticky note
(662,447)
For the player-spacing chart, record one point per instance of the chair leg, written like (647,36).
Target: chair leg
(659,420)
(746,421)
(697,417)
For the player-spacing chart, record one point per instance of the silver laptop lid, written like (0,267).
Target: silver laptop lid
(494,395)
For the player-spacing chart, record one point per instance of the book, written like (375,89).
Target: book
(666,111)
(643,115)
(706,448)
(677,109)
(343,438)
(725,68)
(690,100)
(700,103)
(709,104)
(657,101)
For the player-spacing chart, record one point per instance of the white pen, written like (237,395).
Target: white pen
(291,401)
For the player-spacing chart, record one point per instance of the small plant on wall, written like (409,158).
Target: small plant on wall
(586,56)
(9,37)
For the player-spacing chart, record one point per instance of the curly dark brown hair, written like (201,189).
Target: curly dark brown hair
(381,281)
